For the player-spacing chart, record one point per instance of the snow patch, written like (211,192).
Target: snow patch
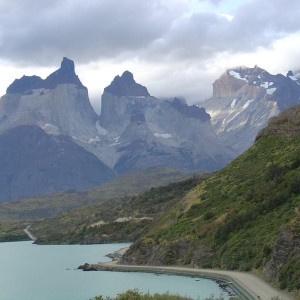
(116,141)
(247,103)
(163,135)
(233,103)
(100,129)
(94,140)
(50,129)
(293,78)
(266,84)
(271,91)
(236,75)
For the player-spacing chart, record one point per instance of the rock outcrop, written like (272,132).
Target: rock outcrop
(285,261)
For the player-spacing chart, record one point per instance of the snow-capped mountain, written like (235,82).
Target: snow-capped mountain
(243,101)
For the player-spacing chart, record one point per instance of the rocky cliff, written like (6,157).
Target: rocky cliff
(243,101)
(59,104)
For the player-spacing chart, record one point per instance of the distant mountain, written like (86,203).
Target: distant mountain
(244,217)
(135,131)
(243,101)
(35,163)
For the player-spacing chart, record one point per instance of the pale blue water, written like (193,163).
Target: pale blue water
(32,272)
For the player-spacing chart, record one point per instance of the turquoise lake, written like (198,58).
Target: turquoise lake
(35,272)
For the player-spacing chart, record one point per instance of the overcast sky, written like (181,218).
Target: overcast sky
(174,47)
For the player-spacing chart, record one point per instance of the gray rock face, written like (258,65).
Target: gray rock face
(149,132)
(59,104)
(34,163)
(285,254)
(243,101)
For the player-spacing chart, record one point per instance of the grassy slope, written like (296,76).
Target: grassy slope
(79,225)
(17,215)
(54,205)
(232,220)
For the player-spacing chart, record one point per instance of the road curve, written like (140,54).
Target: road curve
(246,285)
(30,235)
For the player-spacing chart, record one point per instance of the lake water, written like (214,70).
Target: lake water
(35,272)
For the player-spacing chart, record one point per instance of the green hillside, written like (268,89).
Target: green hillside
(115,220)
(54,205)
(245,217)
(17,215)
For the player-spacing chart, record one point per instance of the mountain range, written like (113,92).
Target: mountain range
(52,140)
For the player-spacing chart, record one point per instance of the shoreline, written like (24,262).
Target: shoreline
(246,285)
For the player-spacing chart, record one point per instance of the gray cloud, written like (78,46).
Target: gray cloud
(202,35)
(158,33)
(34,31)
(85,31)
(215,2)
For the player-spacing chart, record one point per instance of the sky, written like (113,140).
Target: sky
(173,47)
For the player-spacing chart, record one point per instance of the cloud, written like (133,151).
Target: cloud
(214,2)
(170,47)
(203,35)
(35,32)
(86,31)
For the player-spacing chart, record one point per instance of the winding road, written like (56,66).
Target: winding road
(246,285)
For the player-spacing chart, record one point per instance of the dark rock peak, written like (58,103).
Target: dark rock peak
(126,86)
(137,116)
(289,73)
(192,111)
(24,84)
(65,74)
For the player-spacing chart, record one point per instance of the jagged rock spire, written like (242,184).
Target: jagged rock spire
(126,86)
(65,74)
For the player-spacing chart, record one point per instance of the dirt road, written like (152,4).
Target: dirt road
(247,286)
(30,235)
